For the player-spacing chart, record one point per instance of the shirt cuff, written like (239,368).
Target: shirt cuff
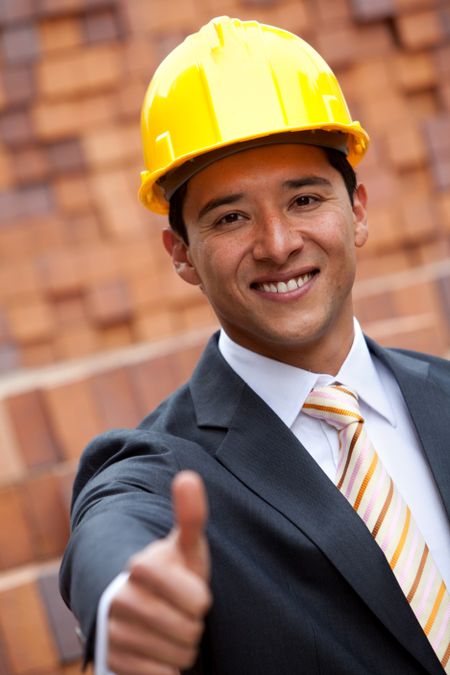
(101,640)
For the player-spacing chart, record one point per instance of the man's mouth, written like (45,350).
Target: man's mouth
(284,286)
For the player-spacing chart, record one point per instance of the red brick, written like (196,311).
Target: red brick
(46,516)
(30,424)
(381,265)
(74,415)
(31,322)
(16,128)
(72,193)
(60,33)
(186,359)
(115,398)
(20,43)
(405,146)
(15,241)
(418,333)
(437,133)
(153,379)
(60,618)
(332,12)
(117,145)
(59,274)
(6,170)
(441,172)
(153,325)
(18,10)
(416,71)
(27,202)
(70,311)
(196,316)
(47,234)
(82,229)
(108,304)
(18,280)
(99,263)
(129,99)
(436,251)
(66,155)
(80,71)
(59,119)
(18,84)
(37,355)
(122,215)
(76,341)
(370,307)
(15,533)
(65,474)
(420,29)
(442,60)
(443,205)
(384,231)
(100,26)
(404,6)
(367,10)
(12,466)
(60,7)
(140,20)
(419,219)
(416,298)
(24,625)
(116,336)
(342,45)
(423,105)
(146,292)
(30,165)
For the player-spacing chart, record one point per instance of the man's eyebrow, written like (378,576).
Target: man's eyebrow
(219,201)
(305,181)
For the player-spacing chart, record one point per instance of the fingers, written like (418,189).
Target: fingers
(161,571)
(190,507)
(156,619)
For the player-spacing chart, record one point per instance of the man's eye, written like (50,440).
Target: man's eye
(305,200)
(229,218)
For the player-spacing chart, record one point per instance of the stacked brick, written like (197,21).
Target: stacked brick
(95,328)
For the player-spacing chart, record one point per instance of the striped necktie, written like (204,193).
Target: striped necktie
(364,481)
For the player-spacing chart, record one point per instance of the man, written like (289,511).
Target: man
(298,568)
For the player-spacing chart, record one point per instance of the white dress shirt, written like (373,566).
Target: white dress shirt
(284,389)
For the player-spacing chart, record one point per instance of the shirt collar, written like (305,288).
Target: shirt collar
(284,388)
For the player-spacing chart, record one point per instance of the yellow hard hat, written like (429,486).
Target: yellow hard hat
(237,83)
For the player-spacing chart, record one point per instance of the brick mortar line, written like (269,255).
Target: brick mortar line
(18,576)
(61,373)
(430,272)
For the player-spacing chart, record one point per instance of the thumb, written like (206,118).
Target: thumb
(190,505)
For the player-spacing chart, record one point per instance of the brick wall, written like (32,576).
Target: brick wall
(94,326)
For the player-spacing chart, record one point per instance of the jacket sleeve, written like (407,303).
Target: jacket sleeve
(121,502)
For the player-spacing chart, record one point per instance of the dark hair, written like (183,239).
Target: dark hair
(336,158)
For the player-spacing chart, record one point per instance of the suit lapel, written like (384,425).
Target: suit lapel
(264,455)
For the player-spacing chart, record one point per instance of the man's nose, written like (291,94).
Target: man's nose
(276,239)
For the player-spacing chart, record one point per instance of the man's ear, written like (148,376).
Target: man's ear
(179,252)
(360,216)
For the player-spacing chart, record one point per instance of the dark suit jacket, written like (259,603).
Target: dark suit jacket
(299,584)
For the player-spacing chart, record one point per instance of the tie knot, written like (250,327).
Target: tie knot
(336,404)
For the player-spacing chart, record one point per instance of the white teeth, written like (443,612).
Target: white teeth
(292,285)
(285,287)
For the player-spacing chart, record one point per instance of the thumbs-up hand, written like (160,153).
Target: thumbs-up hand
(156,619)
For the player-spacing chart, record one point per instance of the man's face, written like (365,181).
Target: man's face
(272,237)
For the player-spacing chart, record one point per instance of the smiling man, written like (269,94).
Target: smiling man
(321,457)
